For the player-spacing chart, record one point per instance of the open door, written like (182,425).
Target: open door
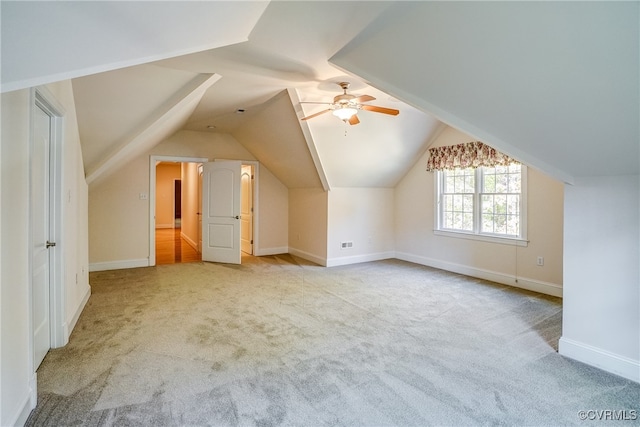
(221,212)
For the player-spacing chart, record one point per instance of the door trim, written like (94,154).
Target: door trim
(43,98)
(153,161)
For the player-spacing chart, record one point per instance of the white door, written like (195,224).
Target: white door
(221,212)
(246,206)
(40,245)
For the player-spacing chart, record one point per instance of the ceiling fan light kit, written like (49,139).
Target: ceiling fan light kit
(344,112)
(346,106)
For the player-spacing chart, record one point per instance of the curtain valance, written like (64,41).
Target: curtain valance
(468,155)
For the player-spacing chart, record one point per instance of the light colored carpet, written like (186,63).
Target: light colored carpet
(280,341)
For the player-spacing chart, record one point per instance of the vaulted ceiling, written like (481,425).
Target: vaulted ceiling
(553,84)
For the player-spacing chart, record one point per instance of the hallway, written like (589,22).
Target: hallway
(173,249)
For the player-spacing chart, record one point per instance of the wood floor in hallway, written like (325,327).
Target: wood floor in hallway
(173,249)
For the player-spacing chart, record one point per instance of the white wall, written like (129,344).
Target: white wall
(17,383)
(273,220)
(601,312)
(308,222)
(365,217)
(15,377)
(416,242)
(119,219)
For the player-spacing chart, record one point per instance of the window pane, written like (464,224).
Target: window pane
(467,221)
(447,201)
(489,184)
(487,223)
(449,220)
(448,183)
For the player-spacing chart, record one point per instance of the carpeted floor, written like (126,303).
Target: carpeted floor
(279,341)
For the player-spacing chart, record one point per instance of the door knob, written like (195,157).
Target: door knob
(237,217)
(50,244)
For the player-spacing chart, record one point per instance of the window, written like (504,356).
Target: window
(483,201)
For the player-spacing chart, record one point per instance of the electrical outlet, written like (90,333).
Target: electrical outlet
(540,261)
(143,196)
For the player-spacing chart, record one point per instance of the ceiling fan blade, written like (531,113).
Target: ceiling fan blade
(316,114)
(363,98)
(380,109)
(354,120)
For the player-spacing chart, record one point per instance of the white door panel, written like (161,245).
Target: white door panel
(40,234)
(221,212)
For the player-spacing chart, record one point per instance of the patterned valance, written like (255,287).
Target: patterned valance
(468,155)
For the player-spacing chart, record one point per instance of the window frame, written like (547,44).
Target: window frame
(476,234)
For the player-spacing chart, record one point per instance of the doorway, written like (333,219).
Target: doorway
(176,208)
(186,188)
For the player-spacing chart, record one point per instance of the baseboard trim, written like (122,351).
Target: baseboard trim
(190,241)
(308,256)
(28,404)
(493,276)
(71,324)
(355,259)
(602,359)
(271,251)
(119,265)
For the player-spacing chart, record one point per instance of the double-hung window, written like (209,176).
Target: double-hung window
(486,202)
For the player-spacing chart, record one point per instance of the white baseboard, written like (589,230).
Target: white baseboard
(308,256)
(190,241)
(605,360)
(505,279)
(355,259)
(72,322)
(119,265)
(28,404)
(271,251)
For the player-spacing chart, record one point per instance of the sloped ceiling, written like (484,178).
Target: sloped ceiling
(122,102)
(44,42)
(273,135)
(555,84)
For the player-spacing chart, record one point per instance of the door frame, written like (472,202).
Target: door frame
(42,98)
(153,162)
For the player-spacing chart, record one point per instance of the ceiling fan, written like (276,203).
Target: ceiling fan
(346,106)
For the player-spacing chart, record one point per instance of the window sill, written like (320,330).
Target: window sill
(512,241)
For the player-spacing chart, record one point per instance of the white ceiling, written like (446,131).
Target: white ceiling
(553,84)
